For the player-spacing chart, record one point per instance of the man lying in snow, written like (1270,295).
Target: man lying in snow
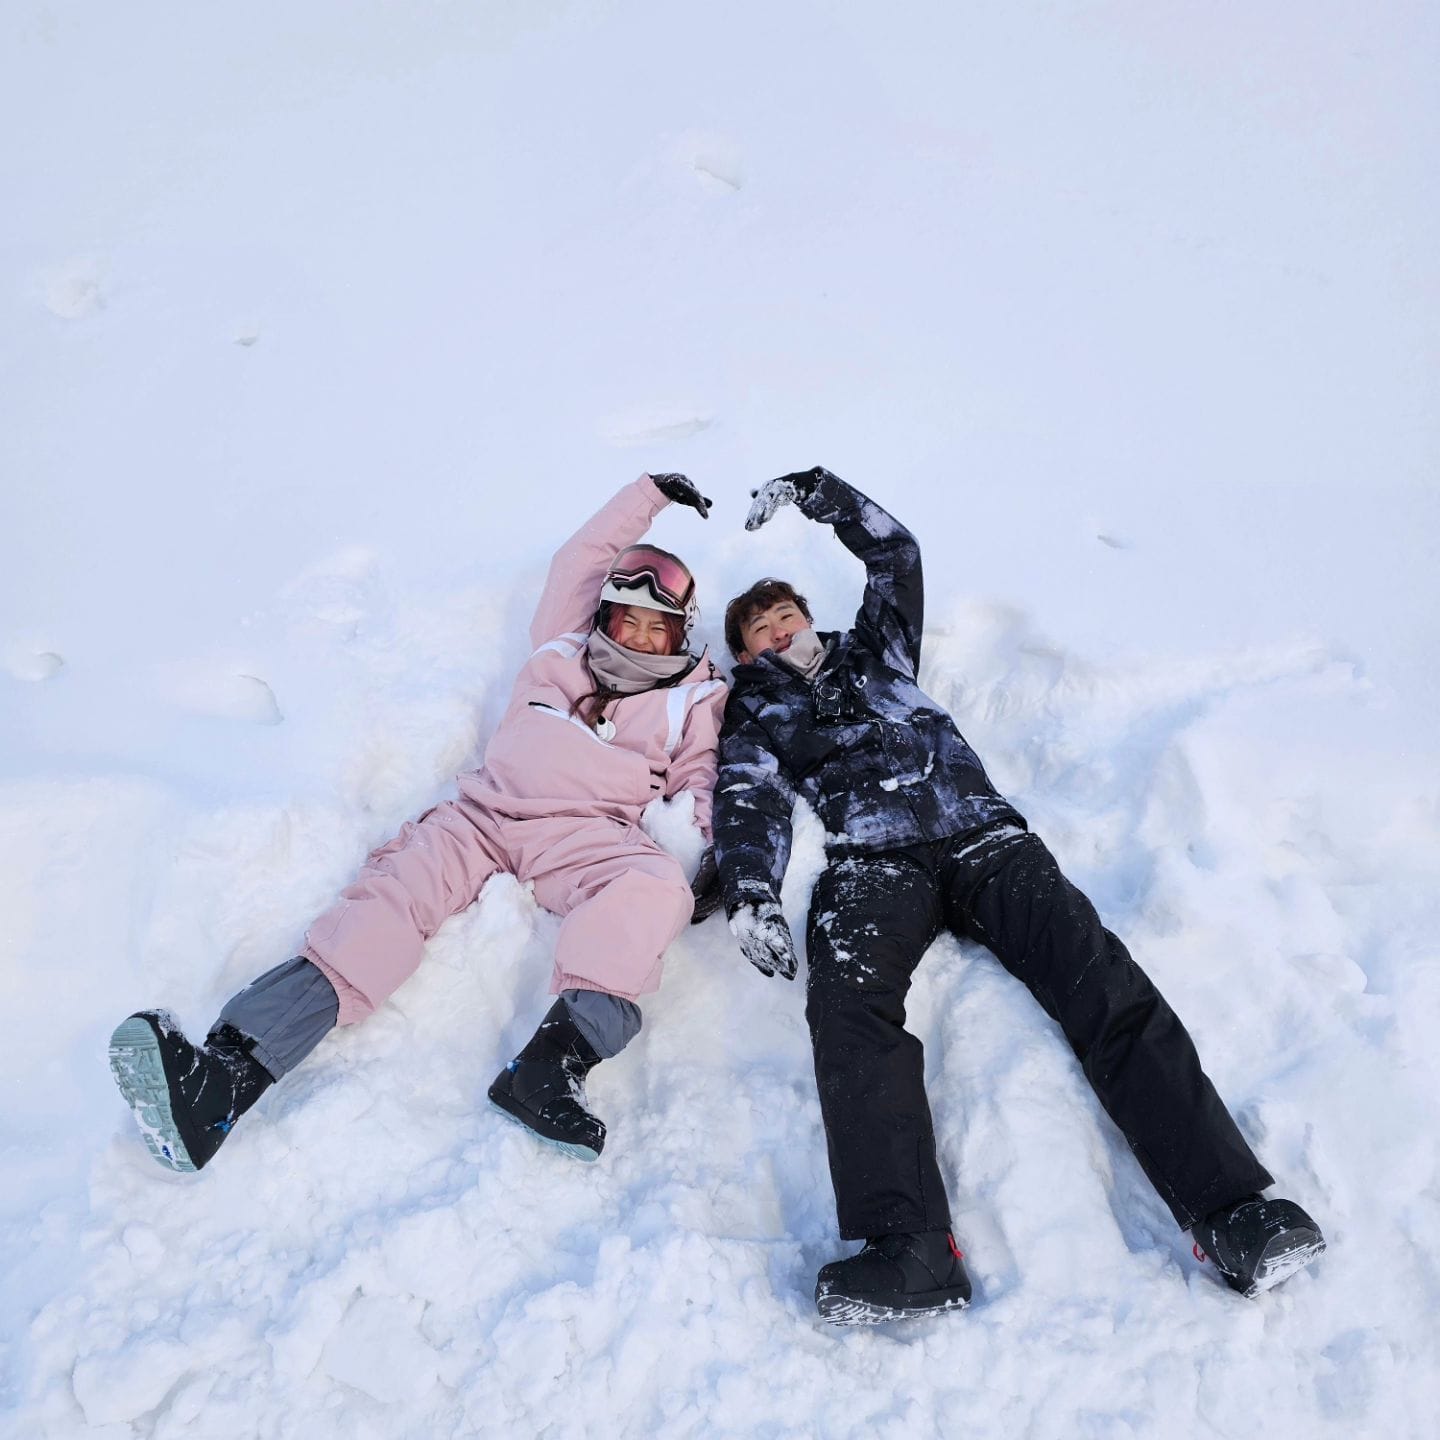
(610,711)
(919,840)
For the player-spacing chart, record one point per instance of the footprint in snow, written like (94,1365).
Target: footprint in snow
(1115,542)
(213,691)
(713,159)
(34,665)
(714,169)
(338,594)
(653,426)
(72,290)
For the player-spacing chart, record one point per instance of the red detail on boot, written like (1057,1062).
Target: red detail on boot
(955,1250)
(1199,1254)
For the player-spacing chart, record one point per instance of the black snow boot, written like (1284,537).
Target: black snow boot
(543,1087)
(1256,1243)
(892,1278)
(185,1098)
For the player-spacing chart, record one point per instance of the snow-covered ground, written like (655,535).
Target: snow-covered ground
(322,324)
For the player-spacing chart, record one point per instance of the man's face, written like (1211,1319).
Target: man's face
(772,629)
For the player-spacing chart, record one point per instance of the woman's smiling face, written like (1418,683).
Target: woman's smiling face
(638,628)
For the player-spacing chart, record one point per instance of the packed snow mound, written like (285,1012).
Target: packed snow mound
(374,1242)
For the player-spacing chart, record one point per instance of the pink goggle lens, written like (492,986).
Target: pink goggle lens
(665,573)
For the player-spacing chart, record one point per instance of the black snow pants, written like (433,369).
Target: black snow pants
(872,917)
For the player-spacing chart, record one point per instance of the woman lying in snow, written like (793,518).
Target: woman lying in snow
(609,711)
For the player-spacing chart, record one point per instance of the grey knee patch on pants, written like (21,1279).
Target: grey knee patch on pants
(285,1013)
(606,1021)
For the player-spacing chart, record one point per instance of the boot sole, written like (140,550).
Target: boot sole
(1283,1257)
(836,1309)
(580,1152)
(140,1073)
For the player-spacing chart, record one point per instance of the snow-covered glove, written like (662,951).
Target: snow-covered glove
(784,490)
(682,491)
(705,887)
(759,926)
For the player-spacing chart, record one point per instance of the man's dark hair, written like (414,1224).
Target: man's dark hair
(759,597)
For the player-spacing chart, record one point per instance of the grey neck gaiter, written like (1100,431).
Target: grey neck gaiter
(628,672)
(805,654)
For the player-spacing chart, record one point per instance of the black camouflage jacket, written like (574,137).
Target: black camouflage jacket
(883,765)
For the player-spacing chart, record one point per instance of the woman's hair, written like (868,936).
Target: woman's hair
(589,708)
(757,599)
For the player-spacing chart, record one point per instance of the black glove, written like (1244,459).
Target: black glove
(679,489)
(759,926)
(784,490)
(705,887)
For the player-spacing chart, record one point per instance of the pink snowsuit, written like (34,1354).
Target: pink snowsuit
(553,805)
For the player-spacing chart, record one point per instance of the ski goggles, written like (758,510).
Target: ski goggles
(665,576)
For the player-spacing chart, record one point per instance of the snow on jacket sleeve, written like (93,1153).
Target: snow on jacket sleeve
(892,612)
(572,588)
(754,805)
(693,767)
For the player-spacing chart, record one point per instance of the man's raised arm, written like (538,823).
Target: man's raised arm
(892,612)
